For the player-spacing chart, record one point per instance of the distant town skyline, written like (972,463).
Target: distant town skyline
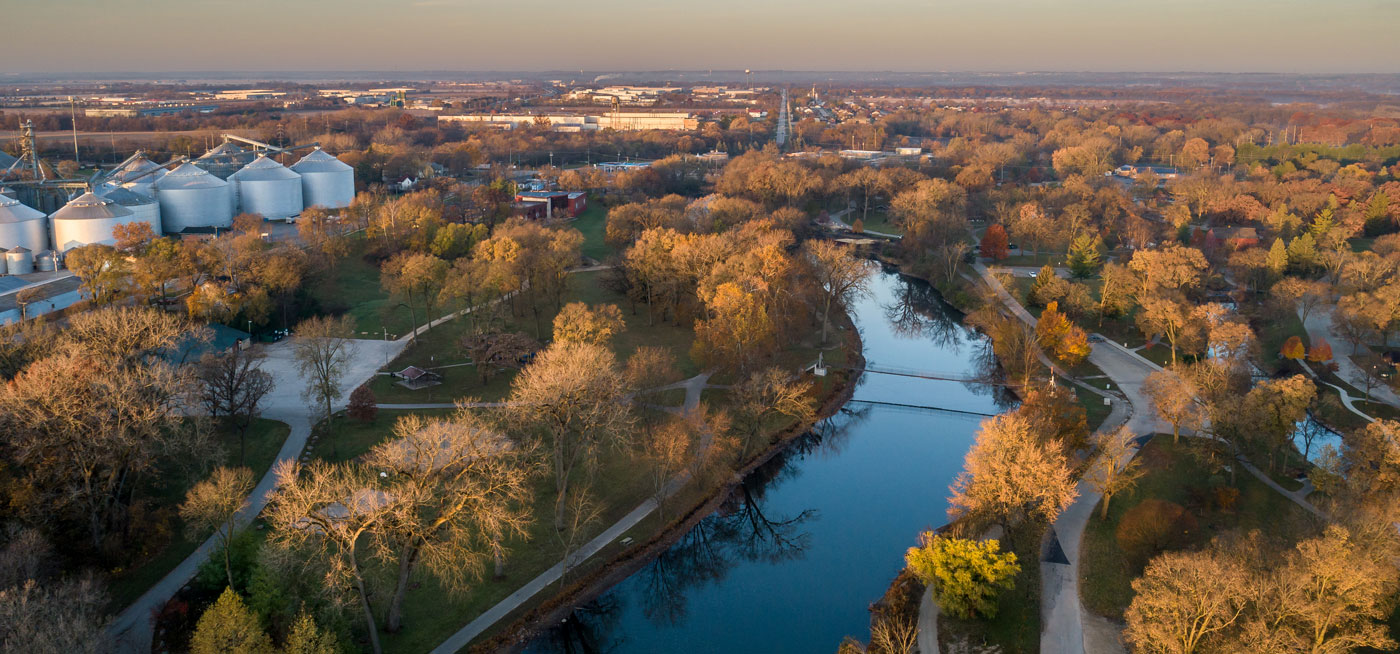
(1288,36)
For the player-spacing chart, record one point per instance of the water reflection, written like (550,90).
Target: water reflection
(741,530)
(794,557)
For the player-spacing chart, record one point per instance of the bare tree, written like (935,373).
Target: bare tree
(1114,470)
(214,504)
(764,395)
(570,396)
(322,350)
(460,490)
(1182,600)
(331,512)
(65,618)
(894,635)
(231,386)
(841,277)
(1010,474)
(1174,397)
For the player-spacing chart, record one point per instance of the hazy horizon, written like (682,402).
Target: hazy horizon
(1005,36)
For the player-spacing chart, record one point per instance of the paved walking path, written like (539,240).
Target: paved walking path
(1062,614)
(464,636)
(131,630)
(1319,325)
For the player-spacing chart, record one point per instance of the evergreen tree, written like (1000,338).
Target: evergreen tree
(1302,254)
(307,638)
(1277,258)
(1085,258)
(228,627)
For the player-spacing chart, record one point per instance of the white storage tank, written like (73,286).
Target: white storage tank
(224,160)
(19,261)
(144,209)
(44,261)
(132,175)
(21,225)
(190,197)
(326,182)
(88,219)
(267,188)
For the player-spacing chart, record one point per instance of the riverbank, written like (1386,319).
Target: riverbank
(529,623)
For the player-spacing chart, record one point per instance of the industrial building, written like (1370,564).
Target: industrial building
(154,110)
(267,188)
(618,120)
(556,203)
(224,160)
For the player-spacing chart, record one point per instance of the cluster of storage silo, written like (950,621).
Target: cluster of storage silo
(267,188)
(190,196)
(91,218)
(326,182)
(205,193)
(137,174)
(23,231)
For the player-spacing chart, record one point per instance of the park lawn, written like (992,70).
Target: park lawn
(438,347)
(264,441)
(356,280)
(1038,259)
(348,439)
(1377,410)
(1172,474)
(432,613)
(592,223)
(878,221)
(1272,335)
(1095,411)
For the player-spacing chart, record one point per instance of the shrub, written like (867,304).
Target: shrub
(362,406)
(1152,527)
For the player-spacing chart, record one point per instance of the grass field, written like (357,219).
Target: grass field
(265,439)
(878,221)
(1175,475)
(592,224)
(439,347)
(354,277)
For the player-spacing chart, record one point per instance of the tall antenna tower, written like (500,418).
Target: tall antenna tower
(784,122)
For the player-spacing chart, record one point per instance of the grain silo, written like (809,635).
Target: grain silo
(133,174)
(190,197)
(326,182)
(22,226)
(224,160)
(19,261)
(267,188)
(143,208)
(88,219)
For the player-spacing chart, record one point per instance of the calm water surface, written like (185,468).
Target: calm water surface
(791,563)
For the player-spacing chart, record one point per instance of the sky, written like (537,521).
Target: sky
(1289,36)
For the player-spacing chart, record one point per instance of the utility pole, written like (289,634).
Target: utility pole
(73,118)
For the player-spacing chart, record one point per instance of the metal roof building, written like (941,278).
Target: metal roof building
(87,219)
(267,188)
(325,181)
(146,209)
(190,197)
(224,160)
(22,226)
(132,174)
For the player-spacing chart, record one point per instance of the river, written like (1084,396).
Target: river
(793,560)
